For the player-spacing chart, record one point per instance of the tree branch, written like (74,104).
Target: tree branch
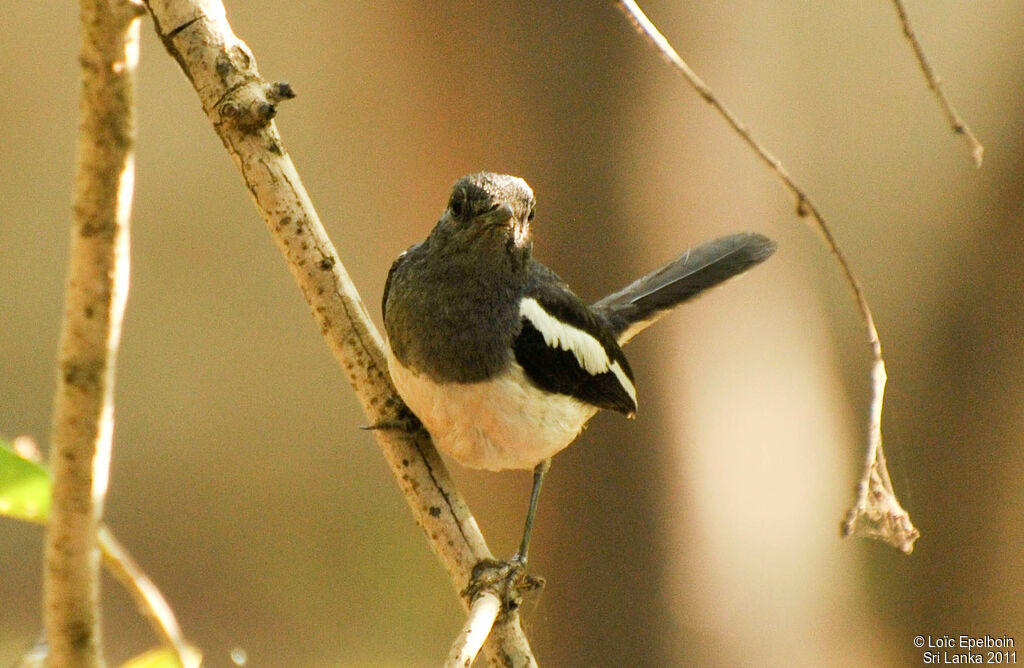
(90,333)
(482,614)
(116,558)
(241,106)
(147,597)
(935,83)
(867,504)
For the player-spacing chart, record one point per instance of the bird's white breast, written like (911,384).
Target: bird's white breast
(502,423)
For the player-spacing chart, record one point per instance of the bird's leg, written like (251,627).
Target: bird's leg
(509,579)
(538,479)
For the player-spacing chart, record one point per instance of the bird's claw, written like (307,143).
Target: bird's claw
(508,580)
(405,421)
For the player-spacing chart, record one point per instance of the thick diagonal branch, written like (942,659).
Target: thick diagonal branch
(241,105)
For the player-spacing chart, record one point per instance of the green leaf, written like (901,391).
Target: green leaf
(24,487)
(154,658)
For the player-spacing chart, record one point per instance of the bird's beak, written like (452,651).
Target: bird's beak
(503,216)
(497,216)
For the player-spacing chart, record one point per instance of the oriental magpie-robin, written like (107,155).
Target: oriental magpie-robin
(501,362)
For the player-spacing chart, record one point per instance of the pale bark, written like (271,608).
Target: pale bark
(97,289)
(241,105)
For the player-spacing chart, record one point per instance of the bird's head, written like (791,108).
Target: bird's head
(490,209)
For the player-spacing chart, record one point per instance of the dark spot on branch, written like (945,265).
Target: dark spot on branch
(80,634)
(183,26)
(82,376)
(434,511)
(265,111)
(802,209)
(103,229)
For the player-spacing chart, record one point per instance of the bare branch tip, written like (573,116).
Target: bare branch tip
(978,153)
(279,91)
(483,613)
(934,82)
(878,514)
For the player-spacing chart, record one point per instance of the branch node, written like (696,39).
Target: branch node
(506,580)
(802,207)
(249,107)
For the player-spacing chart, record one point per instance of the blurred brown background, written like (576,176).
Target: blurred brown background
(705,532)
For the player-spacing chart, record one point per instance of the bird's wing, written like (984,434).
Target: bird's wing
(387,283)
(565,348)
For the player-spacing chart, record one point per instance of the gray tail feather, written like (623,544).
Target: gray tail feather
(638,305)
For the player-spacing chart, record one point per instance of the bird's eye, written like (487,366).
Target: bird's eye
(533,212)
(455,206)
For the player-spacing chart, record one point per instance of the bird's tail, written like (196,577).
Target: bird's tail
(632,309)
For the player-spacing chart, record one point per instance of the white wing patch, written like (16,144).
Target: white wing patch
(587,350)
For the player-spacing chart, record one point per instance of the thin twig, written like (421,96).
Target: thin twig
(97,288)
(150,601)
(935,83)
(805,208)
(240,105)
(482,614)
(124,569)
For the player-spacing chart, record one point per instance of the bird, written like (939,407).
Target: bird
(497,357)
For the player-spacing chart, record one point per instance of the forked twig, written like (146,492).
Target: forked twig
(935,83)
(482,614)
(866,505)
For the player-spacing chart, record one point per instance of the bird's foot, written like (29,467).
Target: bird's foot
(404,420)
(508,580)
